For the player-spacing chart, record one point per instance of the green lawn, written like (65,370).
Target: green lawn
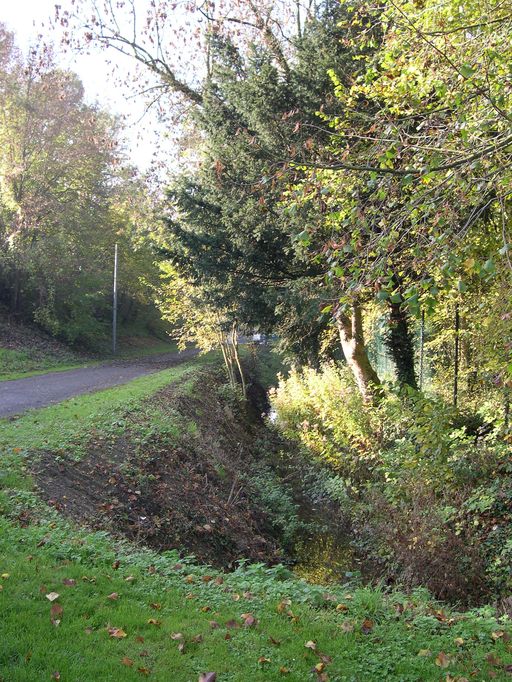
(129,622)
(124,612)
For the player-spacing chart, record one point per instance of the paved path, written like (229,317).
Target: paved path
(20,395)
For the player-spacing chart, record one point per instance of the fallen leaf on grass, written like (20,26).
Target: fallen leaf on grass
(156,606)
(424,652)
(214,625)
(69,582)
(284,671)
(283,605)
(458,641)
(319,667)
(310,644)
(341,607)
(181,647)
(347,626)
(273,641)
(5,576)
(367,626)
(497,635)
(117,633)
(442,660)
(262,660)
(205,609)
(56,675)
(197,639)
(154,621)
(249,620)
(113,596)
(56,614)
(144,671)
(492,659)
(127,661)
(129,579)
(207,677)
(176,635)
(232,624)
(52,596)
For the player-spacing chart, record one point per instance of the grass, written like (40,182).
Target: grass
(15,364)
(362,635)
(68,423)
(354,634)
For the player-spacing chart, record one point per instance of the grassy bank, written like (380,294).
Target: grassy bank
(82,604)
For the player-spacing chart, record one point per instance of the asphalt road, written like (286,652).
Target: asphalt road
(20,395)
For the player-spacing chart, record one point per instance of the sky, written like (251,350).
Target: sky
(28,18)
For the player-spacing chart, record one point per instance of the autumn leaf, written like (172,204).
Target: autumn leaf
(262,660)
(144,671)
(56,675)
(347,626)
(283,605)
(156,606)
(69,582)
(497,635)
(310,644)
(232,624)
(208,677)
(117,633)
(113,596)
(214,625)
(197,639)
(424,652)
(127,661)
(249,620)
(52,596)
(273,641)
(341,607)
(176,635)
(442,660)
(367,626)
(56,614)
(284,671)
(154,621)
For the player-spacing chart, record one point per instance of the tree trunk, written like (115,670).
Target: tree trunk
(399,341)
(350,329)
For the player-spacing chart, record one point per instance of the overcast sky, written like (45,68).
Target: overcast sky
(28,18)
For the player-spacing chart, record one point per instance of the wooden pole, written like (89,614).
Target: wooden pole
(456,365)
(422,348)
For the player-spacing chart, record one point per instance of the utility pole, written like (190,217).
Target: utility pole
(114,305)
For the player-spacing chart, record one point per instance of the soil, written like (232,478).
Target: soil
(170,491)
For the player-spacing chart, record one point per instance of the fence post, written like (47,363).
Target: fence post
(422,348)
(456,365)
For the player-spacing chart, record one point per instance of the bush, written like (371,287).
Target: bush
(430,500)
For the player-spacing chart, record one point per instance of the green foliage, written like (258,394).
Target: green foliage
(428,497)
